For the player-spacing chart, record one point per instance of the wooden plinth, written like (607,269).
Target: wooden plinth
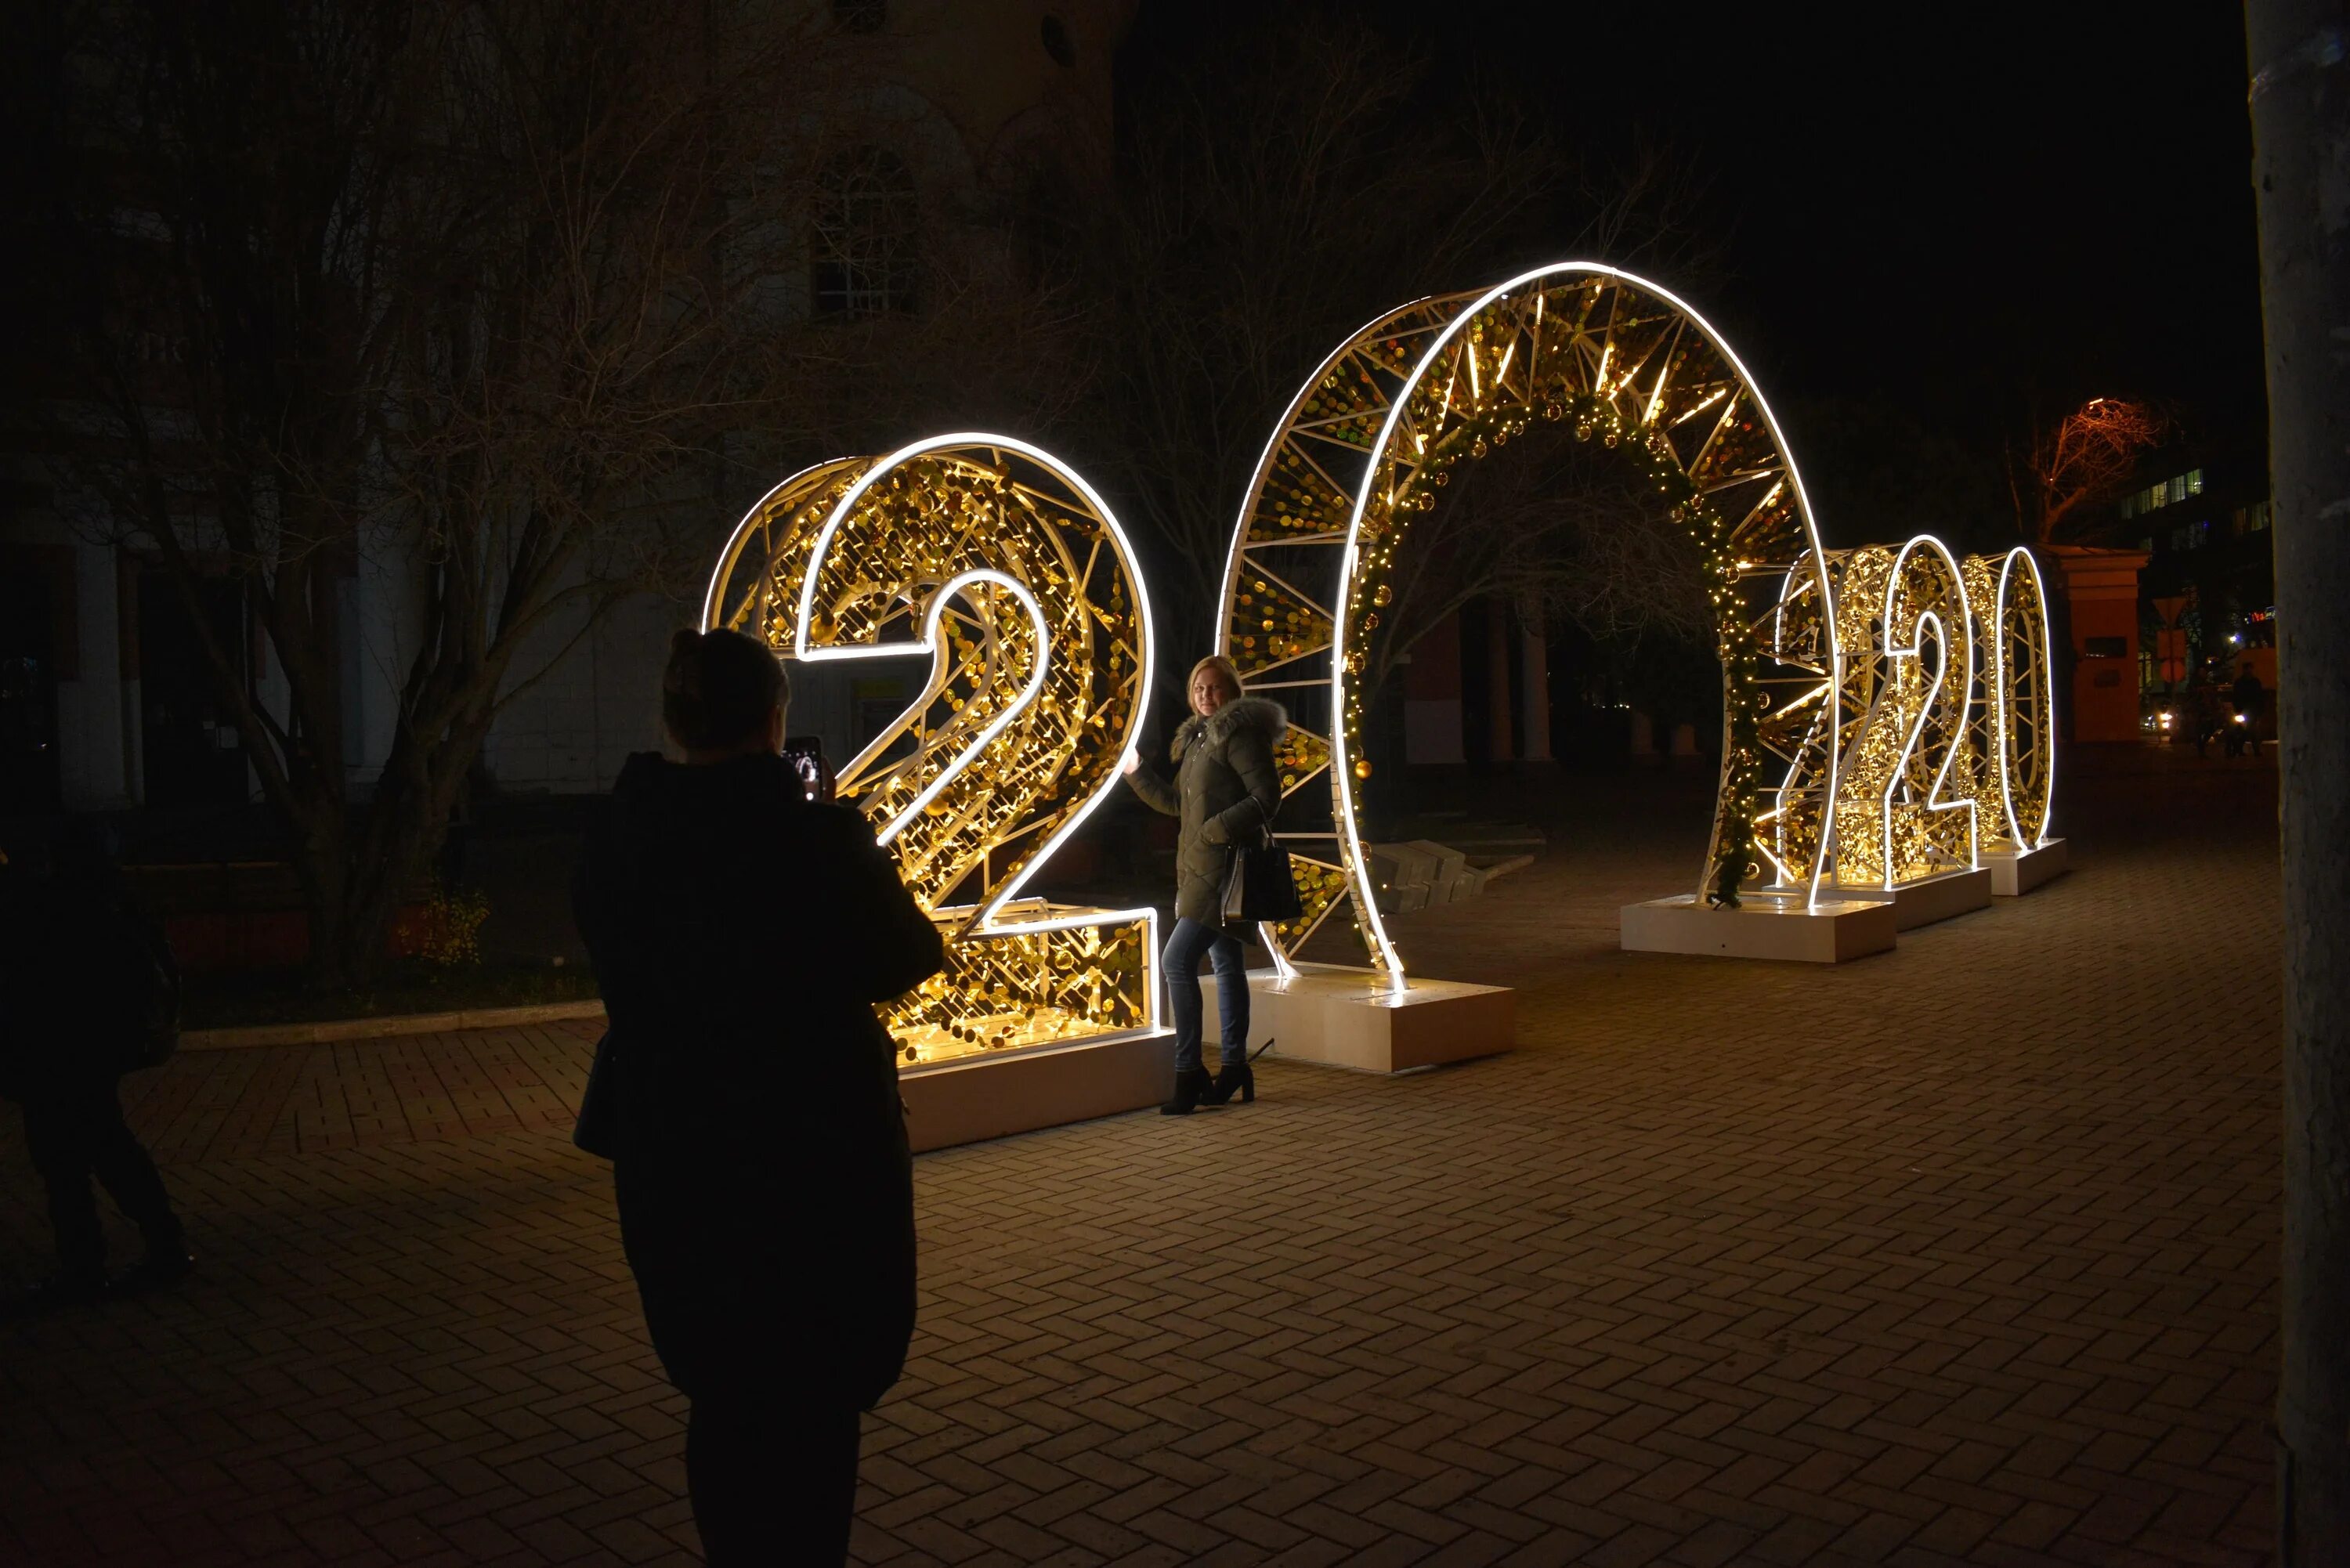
(1765,926)
(992,1096)
(1350,1018)
(2015,872)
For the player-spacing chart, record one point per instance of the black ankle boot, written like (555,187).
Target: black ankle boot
(1232,1077)
(1190,1088)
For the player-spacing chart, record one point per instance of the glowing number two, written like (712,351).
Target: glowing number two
(1906,806)
(1006,567)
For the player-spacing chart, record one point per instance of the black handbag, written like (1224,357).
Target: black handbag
(1258,885)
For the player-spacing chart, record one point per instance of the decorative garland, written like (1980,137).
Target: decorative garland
(1476,430)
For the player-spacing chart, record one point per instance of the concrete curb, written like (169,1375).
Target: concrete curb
(334,1029)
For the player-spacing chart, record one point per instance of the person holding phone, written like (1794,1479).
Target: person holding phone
(1226,791)
(742,934)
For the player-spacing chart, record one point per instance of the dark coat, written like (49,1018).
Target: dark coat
(740,936)
(67,969)
(1225,790)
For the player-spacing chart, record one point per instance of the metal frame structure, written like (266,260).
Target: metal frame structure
(1906,804)
(2015,720)
(1366,443)
(1006,566)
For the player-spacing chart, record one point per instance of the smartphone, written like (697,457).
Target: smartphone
(806,754)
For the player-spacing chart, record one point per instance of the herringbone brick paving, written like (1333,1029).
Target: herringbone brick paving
(1962,1254)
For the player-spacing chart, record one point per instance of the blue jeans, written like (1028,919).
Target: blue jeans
(1183,957)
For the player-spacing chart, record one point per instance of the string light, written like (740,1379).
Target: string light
(2015,725)
(1906,806)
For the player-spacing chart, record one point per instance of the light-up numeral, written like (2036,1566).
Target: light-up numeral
(2016,719)
(1005,566)
(1905,806)
(1315,574)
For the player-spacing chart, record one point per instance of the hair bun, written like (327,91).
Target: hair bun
(719,689)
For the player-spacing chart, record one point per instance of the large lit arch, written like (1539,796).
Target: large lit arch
(1368,441)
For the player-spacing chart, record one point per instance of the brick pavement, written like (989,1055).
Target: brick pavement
(1962,1254)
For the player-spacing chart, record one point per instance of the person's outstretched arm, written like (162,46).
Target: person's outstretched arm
(889,943)
(1156,793)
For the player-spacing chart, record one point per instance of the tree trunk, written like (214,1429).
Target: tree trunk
(2300,123)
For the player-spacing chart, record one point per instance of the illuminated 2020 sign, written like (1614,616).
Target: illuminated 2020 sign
(1003,565)
(1887,711)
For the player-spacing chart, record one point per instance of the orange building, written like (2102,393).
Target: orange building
(2101,593)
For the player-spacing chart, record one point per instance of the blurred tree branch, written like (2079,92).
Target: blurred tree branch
(2067,470)
(489,298)
(1269,200)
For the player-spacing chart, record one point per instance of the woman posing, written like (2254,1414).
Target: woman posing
(742,934)
(1226,792)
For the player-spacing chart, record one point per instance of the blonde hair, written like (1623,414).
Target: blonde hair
(1223,666)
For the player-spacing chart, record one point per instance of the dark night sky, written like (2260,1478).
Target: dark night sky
(1962,206)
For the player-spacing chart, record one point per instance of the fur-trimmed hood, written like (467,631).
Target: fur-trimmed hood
(1258,713)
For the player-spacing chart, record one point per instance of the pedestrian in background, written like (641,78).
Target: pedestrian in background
(742,934)
(2246,697)
(1226,792)
(88,993)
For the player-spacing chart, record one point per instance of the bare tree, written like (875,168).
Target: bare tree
(1556,530)
(1270,201)
(2065,471)
(2301,127)
(487,291)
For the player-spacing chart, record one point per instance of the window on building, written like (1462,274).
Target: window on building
(861,16)
(2194,482)
(863,261)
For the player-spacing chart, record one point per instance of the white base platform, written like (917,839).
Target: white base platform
(2015,872)
(993,1097)
(1348,1018)
(1765,926)
(1930,899)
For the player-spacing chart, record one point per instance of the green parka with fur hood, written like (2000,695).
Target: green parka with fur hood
(1226,792)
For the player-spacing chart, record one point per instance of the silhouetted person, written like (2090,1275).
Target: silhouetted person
(742,934)
(2245,697)
(2203,716)
(1226,791)
(78,969)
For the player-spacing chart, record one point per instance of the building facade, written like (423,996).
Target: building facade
(2208,593)
(956,118)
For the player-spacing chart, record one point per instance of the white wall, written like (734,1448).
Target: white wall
(572,731)
(93,708)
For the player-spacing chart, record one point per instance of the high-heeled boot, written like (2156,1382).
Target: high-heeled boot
(1231,1079)
(1190,1088)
